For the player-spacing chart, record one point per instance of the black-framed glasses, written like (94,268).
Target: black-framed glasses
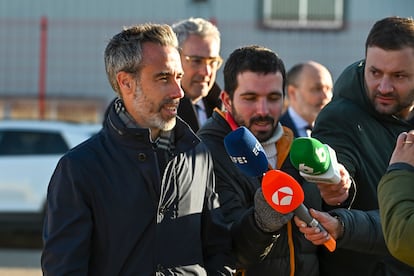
(197,61)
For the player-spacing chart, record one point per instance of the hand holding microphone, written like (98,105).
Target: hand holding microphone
(249,156)
(266,217)
(317,163)
(334,227)
(335,195)
(285,195)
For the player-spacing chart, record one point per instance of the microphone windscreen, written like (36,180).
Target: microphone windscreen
(309,155)
(246,152)
(281,191)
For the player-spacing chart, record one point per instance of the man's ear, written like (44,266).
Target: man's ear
(126,83)
(291,92)
(225,99)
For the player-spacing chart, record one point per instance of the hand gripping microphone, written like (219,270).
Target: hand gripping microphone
(246,152)
(284,194)
(315,161)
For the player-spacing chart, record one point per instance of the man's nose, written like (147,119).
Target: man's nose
(262,107)
(205,69)
(176,90)
(385,85)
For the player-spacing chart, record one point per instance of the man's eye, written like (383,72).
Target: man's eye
(400,76)
(274,98)
(196,60)
(250,99)
(374,72)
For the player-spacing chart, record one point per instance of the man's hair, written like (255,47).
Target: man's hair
(124,50)
(195,26)
(391,33)
(292,76)
(252,58)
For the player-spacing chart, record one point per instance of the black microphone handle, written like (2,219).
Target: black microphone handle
(303,213)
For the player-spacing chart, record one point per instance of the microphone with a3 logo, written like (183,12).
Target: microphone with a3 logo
(280,191)
(315,161)
(284,194)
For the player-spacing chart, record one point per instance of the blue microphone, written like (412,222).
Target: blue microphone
(246,152)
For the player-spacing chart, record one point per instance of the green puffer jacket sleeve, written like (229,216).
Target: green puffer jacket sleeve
(396,201)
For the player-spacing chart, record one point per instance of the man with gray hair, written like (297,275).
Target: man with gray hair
(138,198)
(199,42)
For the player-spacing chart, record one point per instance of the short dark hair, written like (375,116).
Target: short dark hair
(391,33)
(252,58)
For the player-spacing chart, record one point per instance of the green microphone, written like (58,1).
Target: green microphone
(315,161)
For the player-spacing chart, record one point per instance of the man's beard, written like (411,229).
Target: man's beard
(260,135)
(398,108)
(152,113)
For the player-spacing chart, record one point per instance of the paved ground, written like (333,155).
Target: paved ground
(20,254)
(20,272)
(20,262)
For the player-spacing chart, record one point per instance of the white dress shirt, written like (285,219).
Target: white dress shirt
(302,126)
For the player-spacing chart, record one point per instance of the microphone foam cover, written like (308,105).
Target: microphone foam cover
(246,152)
(309,155)
(281,191)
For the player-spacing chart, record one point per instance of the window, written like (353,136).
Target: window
(31,142)
(303,14)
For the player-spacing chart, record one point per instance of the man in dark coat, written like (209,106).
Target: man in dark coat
(265,241)
(372,104)
(139,197)
(199,42)
(309,89)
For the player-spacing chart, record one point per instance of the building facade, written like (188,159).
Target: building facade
(52,51)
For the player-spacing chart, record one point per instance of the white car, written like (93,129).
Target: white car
(29,152)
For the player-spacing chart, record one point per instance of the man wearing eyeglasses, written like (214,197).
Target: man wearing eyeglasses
(199,42)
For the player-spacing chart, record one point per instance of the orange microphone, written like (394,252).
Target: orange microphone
(284,194)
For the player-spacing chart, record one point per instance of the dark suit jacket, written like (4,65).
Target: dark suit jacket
(287,121)
(188,112)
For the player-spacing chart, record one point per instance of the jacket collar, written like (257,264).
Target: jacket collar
(184,137)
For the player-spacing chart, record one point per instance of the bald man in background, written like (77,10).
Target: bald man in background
(309,89)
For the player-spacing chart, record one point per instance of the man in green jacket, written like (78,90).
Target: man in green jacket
(396,200)
(371,106)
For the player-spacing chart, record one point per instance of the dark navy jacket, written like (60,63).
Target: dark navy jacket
(287,121)
(258,252)
(188,113)
(112,210)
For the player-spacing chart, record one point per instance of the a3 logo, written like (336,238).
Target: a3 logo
(283,196)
